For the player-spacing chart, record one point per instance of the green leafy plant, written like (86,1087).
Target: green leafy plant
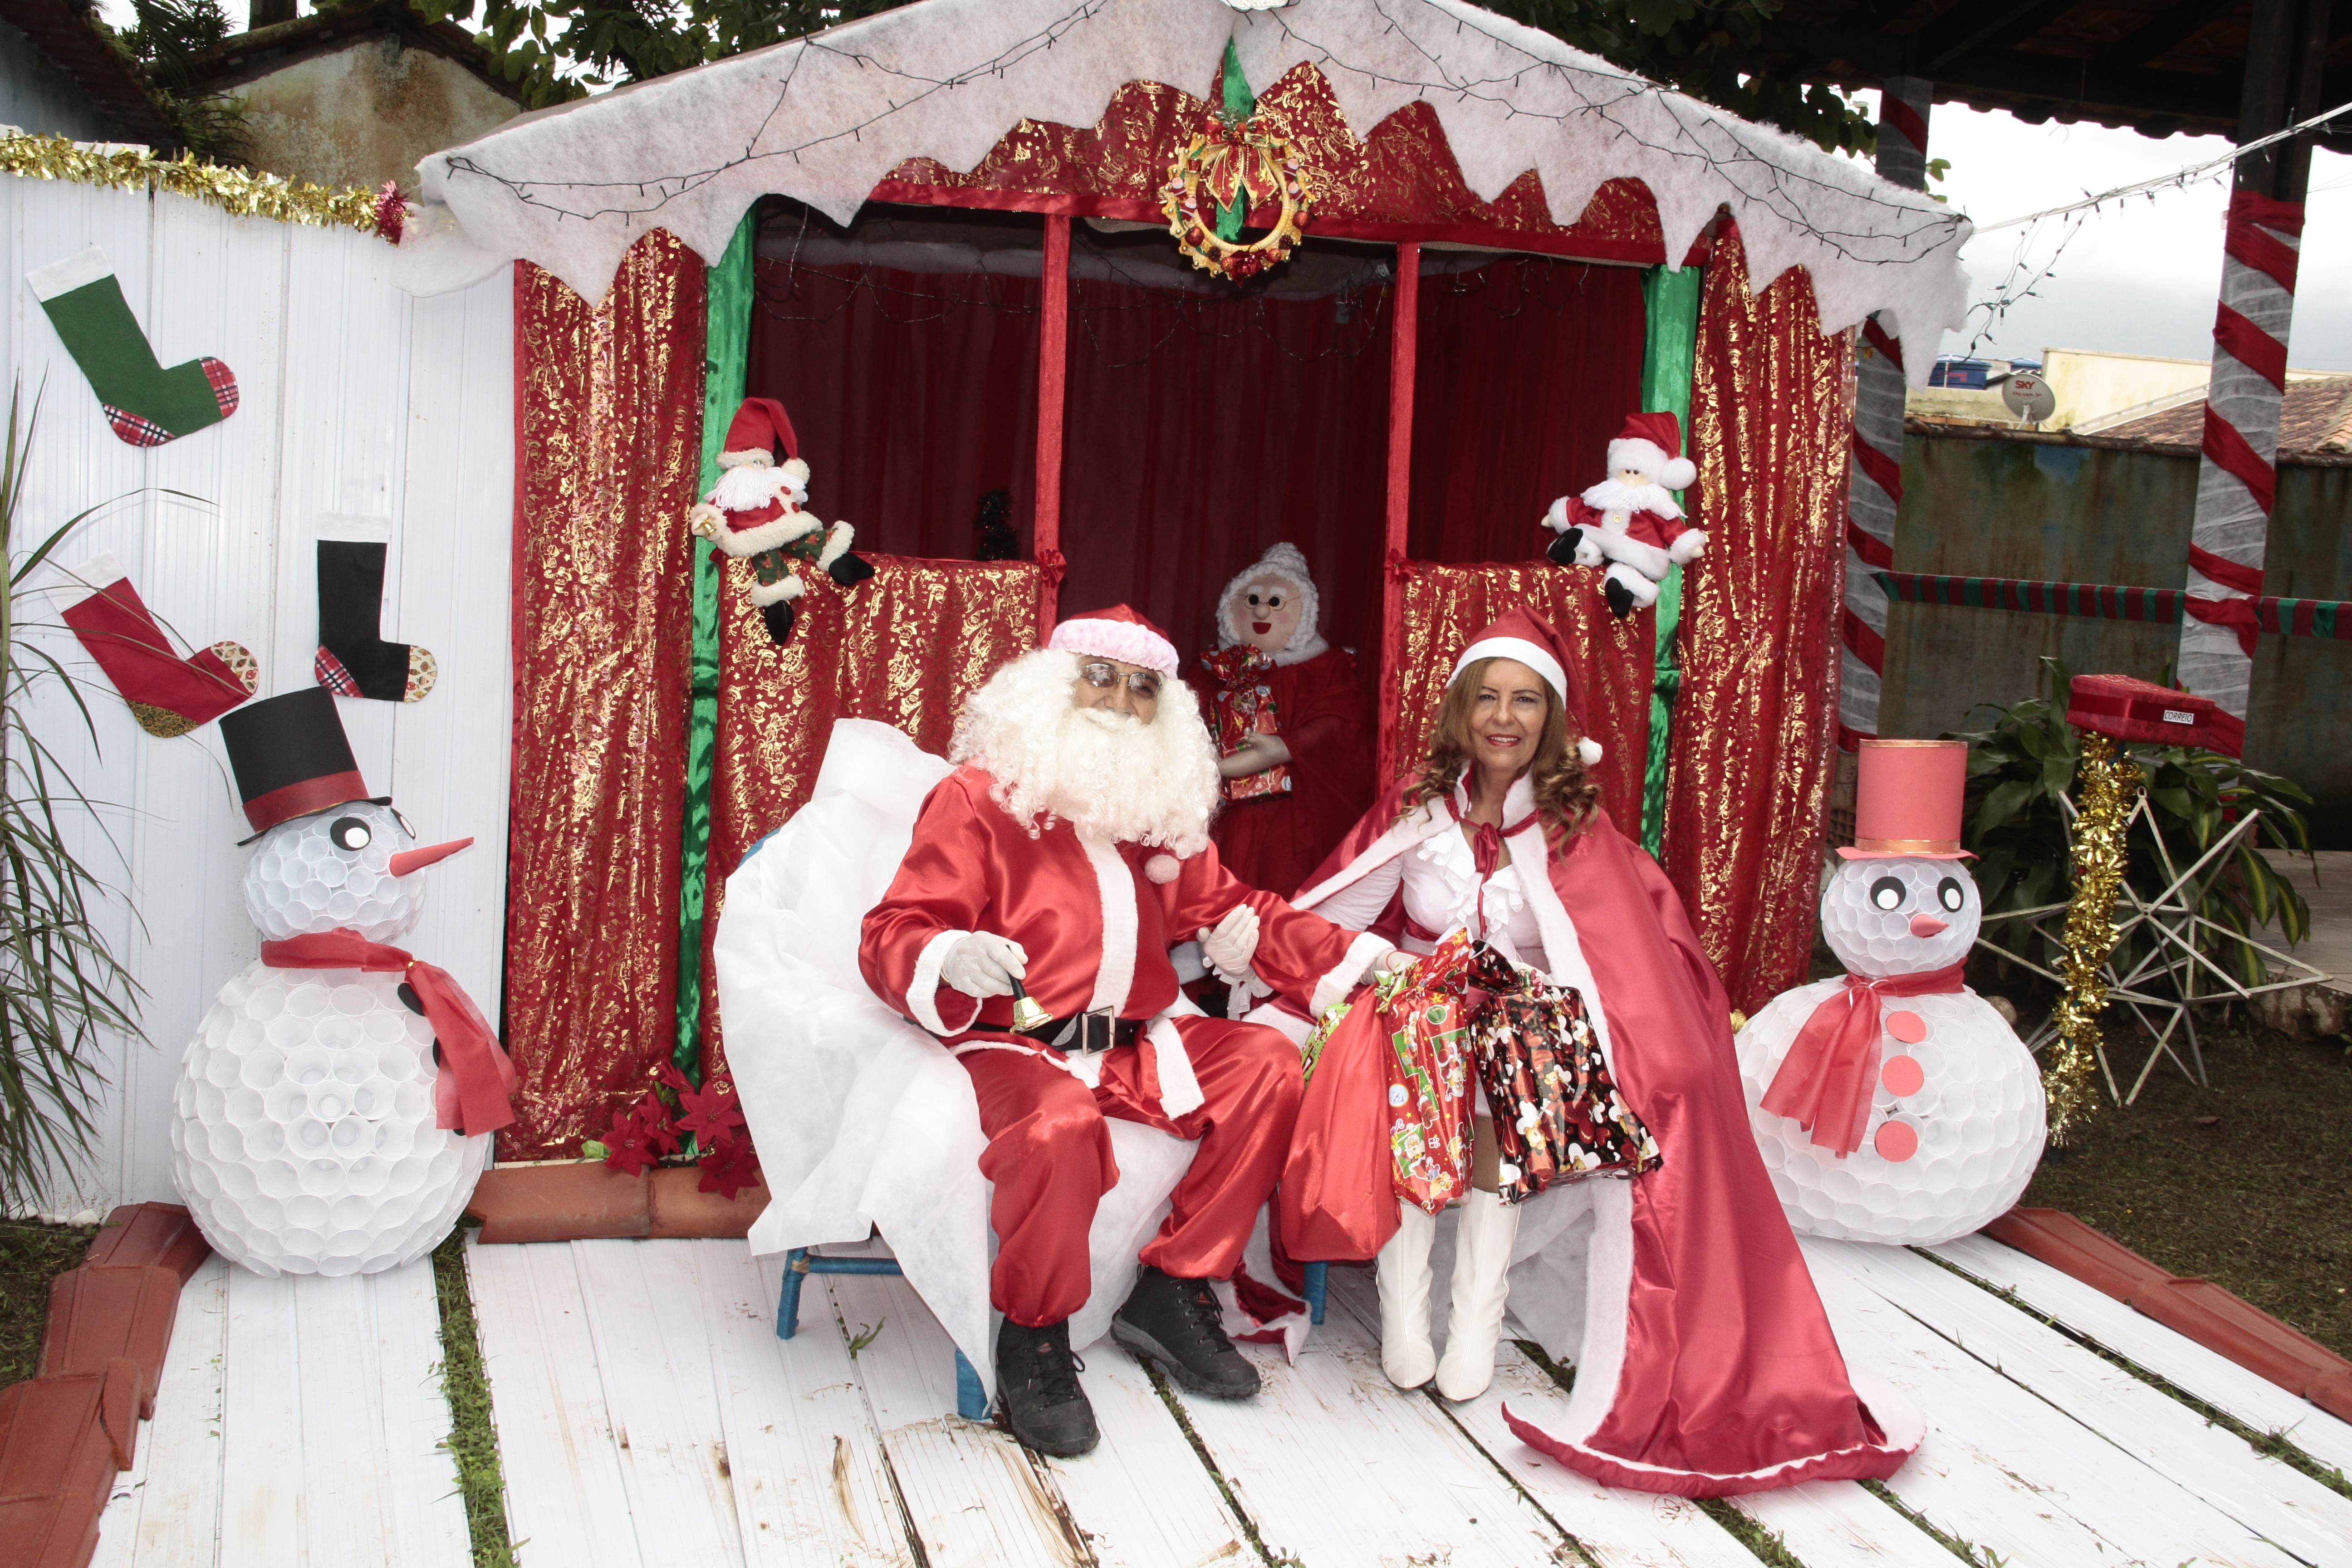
(61,985)
(2023,765)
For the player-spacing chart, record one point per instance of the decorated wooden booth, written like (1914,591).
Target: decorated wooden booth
(976,247)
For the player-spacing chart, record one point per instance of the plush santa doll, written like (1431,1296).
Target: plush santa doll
(754,513)
(1293,726)
(1630,519)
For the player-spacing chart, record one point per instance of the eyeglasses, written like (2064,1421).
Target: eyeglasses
(1143,683)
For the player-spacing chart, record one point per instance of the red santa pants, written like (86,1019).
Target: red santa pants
(1049,1155)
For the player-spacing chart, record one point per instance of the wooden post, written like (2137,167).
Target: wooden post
(1053,380)
(1404,328)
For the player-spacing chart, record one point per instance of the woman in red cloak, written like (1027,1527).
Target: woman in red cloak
(1705,1364)
(1296,779)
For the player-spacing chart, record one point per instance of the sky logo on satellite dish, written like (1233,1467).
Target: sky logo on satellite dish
(2028,396)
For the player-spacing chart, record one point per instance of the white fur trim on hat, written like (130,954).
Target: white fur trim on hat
(1588,750)
(1285,564)
(1121,640)
(1525,652)
(750,458)
(1650,461)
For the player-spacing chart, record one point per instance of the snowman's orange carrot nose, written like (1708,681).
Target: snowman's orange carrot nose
(409,860)
(1921,925)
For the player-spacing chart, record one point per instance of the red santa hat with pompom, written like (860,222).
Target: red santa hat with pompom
(1652,445)
(1533,641)
(1117,633)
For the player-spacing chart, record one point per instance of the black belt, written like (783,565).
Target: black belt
(1088,1033)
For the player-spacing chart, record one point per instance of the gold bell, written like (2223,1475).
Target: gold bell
(1027,1016)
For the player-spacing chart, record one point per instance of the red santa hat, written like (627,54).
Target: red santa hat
(1117,633)
(1652,445)
(1521,635)
(756,504)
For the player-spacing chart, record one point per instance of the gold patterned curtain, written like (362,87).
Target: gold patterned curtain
(1771,401)
(608,427)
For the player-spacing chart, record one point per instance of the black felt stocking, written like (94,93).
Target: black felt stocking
(353,660)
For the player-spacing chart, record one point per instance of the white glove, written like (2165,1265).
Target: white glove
(1255,755)
(984,965)
(1394,958)
(1230,947)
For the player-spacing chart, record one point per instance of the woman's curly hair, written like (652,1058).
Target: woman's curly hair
(1566,792)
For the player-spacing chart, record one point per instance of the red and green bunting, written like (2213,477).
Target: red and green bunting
(2108,602)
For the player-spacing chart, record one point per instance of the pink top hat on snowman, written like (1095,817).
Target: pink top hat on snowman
(1908,797)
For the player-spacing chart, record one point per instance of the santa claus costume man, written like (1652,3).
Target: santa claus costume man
(1054,867)
(1705,1364)
(1318,742)
(1630,519)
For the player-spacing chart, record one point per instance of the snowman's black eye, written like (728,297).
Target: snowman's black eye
(1887,893)
(350,833)
(1950,894)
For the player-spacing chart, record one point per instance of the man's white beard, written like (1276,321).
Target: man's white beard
(1612,495)
(1109,774)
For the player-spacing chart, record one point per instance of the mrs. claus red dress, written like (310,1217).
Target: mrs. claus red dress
(1705,1364)
(1275,841)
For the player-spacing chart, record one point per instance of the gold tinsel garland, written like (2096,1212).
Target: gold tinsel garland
(2109,782)
(239,191)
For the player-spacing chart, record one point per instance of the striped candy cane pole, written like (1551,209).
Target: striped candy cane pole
(2239,476)
(1875,487)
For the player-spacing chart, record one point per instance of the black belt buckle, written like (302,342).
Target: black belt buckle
(1087,1035)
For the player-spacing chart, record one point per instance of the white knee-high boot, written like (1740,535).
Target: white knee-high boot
(1482,1263)
(1402,1270)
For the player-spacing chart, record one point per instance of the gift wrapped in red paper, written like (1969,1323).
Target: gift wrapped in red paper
(1243,705)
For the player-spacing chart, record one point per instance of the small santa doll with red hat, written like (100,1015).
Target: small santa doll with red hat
(1630,519)
(753,513)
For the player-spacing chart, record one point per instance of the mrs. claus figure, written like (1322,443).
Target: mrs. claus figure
(1294,722)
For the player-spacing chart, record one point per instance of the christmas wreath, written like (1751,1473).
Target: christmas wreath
(1234,165)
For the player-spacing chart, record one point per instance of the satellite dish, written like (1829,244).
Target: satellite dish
(2029,396)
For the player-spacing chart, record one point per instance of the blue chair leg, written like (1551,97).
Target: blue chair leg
(788,1299)
(971,1397)
(1316,1274)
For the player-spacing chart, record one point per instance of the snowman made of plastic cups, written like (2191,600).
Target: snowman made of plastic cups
(336,1105)
(1893,1104)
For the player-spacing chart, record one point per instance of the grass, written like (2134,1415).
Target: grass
(473,1439)
(31,1255)
(2248,1182)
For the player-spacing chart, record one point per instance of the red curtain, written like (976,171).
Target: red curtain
(1770,401)
(1202,428)
(608,420)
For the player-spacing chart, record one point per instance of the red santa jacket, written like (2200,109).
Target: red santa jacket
(1095,926)
(1652,528)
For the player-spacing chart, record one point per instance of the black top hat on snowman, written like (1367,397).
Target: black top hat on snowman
(292,759)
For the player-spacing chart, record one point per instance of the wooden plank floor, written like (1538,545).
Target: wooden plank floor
(647,1414)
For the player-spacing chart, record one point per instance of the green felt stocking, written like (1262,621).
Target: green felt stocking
(146,403)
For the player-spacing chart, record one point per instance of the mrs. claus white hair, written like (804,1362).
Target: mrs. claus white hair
(1106,773)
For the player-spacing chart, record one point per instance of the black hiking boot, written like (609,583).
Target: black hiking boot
(1178,1323)
(1037,1385)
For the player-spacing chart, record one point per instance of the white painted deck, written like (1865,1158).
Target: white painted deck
(648,1415)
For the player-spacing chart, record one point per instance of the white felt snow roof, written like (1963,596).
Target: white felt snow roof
(823,118)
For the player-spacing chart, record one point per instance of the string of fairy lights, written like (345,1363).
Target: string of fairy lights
(1753,160)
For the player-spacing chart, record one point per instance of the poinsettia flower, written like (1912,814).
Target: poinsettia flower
(730,1165)
(711,1111)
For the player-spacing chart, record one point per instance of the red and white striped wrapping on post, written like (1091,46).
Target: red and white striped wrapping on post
(2239,478)
(1875,487)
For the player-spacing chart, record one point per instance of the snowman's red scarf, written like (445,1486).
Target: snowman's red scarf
(1824,1082)
(470,1094)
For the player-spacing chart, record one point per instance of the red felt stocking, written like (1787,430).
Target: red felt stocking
(168,695)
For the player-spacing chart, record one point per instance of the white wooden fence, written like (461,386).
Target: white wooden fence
(366,413)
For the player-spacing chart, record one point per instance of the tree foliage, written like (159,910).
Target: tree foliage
(1712,49)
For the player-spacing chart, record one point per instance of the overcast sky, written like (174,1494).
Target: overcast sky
(2136,279)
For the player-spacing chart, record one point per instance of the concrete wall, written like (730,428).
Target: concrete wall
(2016,508)
(364,414)
(365,114)
(2095,388)
(35,96)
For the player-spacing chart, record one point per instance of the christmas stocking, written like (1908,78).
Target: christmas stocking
(168,695)
(352,661)
(146,403)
